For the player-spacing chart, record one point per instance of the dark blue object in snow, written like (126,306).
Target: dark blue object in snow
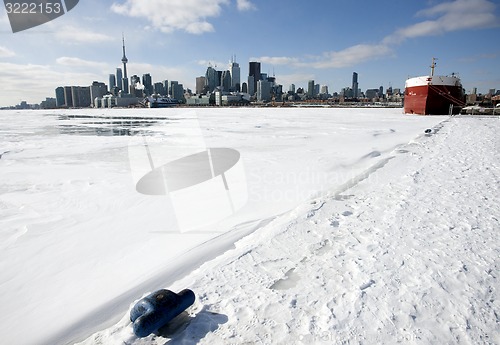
(157,309)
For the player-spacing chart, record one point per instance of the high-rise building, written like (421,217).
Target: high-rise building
(310,89)
(263,91)
(200,85)
(112,81)
(292,88)
(225,81)
(97,90)
(159,89)
(68,97)
(253,71)
(165,85)
(60,97)
(251,85)
(147,82)
(324,90)
(119,78)
(124,61)
(212,79)
(81,96)
(244,87)
(355,85)
(234,70)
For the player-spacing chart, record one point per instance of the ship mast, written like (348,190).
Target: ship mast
(433,65)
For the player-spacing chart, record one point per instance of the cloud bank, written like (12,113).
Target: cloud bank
(191,16)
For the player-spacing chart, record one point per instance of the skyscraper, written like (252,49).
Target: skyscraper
(119,77)
(60,97)
(211,77)
(124,61)
(355,85)
(234,69)
(148,84)
(310,89)
(254,71)
(112,81)
(225,81)
(200,85)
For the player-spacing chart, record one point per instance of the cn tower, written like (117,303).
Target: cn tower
(124,61)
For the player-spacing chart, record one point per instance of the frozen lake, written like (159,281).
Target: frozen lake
(81,240)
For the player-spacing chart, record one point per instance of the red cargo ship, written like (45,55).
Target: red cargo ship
(434,95)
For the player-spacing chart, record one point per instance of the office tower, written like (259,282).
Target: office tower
(211,77)
(119,78)
(244,87)
(124,61)
(355,85)
(112,81)
(251,85)
(292,88)
(165,85)
(97,90)
(81,96)
(225,81)
(148,84)
(263,91)
(68,98)
(381,92)
(234,70)
(324,90)
(253,71)
(159,89)
(200,85)
(310,88)
(60,97)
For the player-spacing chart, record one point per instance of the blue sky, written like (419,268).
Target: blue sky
(385,42)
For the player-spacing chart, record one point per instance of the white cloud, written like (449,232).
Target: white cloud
(353,55)
(168,16)
(277,60)
(452,16)
(5,52)
(245,5)
(75,35)
(77,62)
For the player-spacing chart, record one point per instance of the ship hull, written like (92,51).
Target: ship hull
(431,96)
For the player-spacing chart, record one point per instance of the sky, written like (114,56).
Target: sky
(385,42)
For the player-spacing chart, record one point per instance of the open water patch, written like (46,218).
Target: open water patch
(90,125)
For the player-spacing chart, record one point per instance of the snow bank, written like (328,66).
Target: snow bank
(406,252)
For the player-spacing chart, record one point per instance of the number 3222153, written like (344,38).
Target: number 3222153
(31,7)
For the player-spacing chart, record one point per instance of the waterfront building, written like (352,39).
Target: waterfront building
(68,98)
(60,97)
(81,96)
(97,90)
(159,89)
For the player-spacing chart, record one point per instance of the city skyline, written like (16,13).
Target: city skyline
(383,49)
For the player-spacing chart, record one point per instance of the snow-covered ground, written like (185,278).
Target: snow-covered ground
(356,227)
